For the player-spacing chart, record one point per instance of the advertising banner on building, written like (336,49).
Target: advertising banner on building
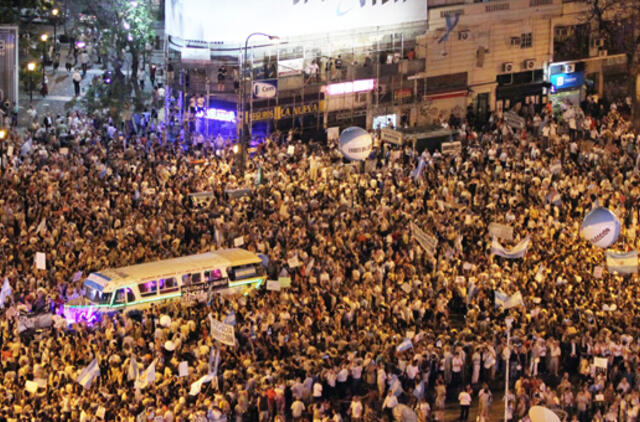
(234,20)
(9,64)
(265,89)
(283,112)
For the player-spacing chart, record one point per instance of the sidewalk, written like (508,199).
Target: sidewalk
(60,91)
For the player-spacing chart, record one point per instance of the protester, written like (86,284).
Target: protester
(92,194)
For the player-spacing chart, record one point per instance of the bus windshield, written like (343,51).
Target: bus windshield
(96,296)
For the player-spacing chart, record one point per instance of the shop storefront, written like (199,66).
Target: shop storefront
(567,83)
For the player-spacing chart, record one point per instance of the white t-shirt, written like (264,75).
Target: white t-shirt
(356,409)
(464,398)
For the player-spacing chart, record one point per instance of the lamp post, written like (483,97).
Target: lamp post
(54,13)
(245,129)
(31,67)
(44,38)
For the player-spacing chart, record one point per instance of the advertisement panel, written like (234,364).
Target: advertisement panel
(265,89)
(230,21)
(566,80)
(8,64)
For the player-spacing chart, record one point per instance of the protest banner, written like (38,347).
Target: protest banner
(622,262)
(284,281)
(518,251)
(238,241)
(451,148)
(428,243)
(222,332)
(183,369)
(501,231)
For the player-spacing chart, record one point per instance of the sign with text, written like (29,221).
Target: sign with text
(265,89)
(501,231)
(391,136)
(451,147)
(428,243)
(222,332)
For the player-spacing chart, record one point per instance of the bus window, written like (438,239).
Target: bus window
(192,278)
(243,272)
(96,296)
(186,280)
(130,296)
(212,275)
(196,278)
(148,288)
(119,298)
(168,285)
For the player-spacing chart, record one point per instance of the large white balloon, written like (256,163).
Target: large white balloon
(542,414)
(355,143)
(601,227)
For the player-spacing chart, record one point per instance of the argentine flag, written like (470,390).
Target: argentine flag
(622,262)
(88,374)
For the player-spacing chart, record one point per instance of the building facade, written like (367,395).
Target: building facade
(391,63)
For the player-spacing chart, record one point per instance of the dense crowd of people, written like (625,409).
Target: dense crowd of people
(332,347)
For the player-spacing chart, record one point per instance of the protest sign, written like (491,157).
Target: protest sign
(501,231)
(183,369)
(600,362)
(222,332)
(238,241)
(428,243)
(284,281)
(41,261)
(273,285)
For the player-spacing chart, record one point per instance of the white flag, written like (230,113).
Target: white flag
(148,377)
(5,292)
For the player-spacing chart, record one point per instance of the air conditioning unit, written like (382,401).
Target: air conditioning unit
(569,68)
(530,64)
(507,67)
(463,35)
(602,53)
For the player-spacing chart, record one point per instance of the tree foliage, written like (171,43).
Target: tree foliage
(125,29)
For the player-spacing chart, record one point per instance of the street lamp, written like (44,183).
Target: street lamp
(44,38)
(54,13)
(31,67)
(245,129)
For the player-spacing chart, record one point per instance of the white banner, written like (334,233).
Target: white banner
(428,243)
(234,20)
(451,147)
(222,332)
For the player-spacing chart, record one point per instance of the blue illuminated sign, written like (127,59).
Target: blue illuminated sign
(566,80)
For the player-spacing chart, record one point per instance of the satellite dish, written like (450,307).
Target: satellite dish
(542,414)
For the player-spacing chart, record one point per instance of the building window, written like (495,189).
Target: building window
(526,40)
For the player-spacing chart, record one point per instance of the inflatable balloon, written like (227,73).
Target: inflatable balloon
(600,227)
(542,414)
(355,143)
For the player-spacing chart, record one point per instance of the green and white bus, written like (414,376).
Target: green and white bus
(138,286)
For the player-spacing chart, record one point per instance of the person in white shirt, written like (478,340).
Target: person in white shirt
(464,398)
(297,407)
(356,409)
(390,401)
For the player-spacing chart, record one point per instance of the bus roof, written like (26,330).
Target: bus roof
(116,277)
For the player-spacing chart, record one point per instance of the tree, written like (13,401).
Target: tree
(125,30)
(617,22)
(10,10)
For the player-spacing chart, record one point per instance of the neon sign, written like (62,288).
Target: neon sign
(217,114)
(350,87)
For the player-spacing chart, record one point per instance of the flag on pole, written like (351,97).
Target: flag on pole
(405,345)
(5,292)
(214,361)
(88,374)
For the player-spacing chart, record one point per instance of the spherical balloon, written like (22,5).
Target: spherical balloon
(355,143)
(542,414)
(601,227)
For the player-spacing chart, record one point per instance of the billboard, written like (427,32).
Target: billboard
(566,81)
(265,89)
(231,21)
(8,64)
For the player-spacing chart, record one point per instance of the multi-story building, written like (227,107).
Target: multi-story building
(374,62)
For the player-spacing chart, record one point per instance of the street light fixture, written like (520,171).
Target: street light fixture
(44,38)
(55,13)
(245,131)
(31,67)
